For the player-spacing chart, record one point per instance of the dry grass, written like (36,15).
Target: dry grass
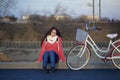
(35,32)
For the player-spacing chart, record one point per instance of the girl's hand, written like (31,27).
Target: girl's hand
(36,61)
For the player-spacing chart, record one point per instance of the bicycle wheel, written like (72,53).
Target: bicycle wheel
(75,59)
(116,57)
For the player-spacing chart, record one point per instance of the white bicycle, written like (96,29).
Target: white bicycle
(79,55)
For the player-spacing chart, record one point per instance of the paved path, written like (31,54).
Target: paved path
(61,74)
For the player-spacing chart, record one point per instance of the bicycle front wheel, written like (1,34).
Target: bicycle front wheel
(75,59)
(116,57)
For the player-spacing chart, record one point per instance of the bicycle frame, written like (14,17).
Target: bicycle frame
(82,52)
(91,42)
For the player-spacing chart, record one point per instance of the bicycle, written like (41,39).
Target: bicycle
(79,55)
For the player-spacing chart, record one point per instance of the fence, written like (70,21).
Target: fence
(20,51)
(36,44)
(30,44)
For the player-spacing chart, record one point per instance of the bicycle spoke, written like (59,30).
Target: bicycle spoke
(116,57)
(75,59)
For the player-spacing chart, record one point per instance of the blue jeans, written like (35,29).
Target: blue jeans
(50,57)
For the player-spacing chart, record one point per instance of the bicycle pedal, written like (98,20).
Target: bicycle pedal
(104,60)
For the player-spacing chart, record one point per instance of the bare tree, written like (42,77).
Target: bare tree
(25,12)
(6,6)
(60,10)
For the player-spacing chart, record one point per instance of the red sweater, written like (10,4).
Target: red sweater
(56,46)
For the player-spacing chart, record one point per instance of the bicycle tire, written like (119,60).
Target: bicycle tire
(116,61)
(75,62)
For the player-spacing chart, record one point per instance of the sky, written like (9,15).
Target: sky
(109,8)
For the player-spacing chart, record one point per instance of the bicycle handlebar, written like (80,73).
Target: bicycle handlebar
(91,28)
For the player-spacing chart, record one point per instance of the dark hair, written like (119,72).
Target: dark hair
(49,33)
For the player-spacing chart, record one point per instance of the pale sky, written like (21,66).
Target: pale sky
(110,8)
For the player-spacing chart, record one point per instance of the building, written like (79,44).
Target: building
(90,18)
(60,17)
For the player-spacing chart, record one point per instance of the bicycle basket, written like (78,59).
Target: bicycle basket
(81,35)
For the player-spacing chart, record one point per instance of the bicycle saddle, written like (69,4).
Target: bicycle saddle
(111,36)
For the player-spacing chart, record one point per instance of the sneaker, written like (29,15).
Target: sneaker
(45,70)
(52,70)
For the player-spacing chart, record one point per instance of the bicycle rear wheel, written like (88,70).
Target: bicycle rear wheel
(116,57)
(75,59)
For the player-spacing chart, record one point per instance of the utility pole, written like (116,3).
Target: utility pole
(93,13)
(99,10)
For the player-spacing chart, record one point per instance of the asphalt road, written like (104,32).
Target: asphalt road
(61,74)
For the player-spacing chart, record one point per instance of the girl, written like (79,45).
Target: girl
(52,49)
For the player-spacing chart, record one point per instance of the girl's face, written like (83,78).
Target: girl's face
(53,32)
